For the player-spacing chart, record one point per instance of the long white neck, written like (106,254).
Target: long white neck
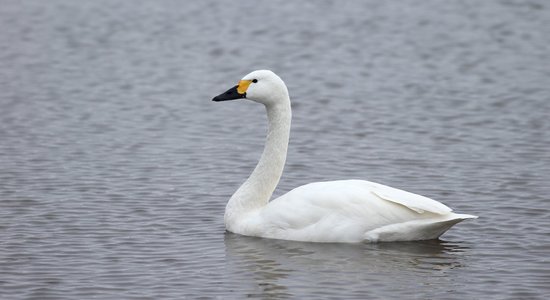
(256,191)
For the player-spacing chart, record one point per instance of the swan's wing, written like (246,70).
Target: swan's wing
(326,211)
(341,211)
(355,198)
(413,201)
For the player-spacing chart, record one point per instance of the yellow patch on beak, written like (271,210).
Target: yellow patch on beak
(243,86)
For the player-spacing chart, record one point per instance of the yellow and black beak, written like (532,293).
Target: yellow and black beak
(234,93)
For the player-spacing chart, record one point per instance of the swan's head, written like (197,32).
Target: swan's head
(262,86)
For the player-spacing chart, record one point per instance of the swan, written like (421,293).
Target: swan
(342,211)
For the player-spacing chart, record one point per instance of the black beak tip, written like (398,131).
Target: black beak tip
(221,97)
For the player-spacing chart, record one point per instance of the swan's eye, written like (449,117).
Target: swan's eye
(254,80)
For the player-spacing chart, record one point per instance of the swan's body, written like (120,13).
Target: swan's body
(348,211)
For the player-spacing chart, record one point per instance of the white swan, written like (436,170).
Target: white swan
(348,211)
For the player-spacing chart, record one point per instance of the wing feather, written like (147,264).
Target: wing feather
(413,201)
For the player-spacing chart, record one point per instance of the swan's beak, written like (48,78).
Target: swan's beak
(231,94)
(236,92)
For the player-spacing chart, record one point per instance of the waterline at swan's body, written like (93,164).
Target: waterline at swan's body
(336,211)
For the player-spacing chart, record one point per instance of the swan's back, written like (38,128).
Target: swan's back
(351,211)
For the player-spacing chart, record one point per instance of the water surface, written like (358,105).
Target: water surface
(115,166)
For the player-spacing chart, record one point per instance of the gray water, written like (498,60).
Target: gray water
(115,166)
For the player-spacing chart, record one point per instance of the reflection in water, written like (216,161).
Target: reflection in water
(273,263)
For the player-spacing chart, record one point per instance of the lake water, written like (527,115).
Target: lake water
(115,166)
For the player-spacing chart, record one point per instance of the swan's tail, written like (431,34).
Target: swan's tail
(416,230)
(463,216)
